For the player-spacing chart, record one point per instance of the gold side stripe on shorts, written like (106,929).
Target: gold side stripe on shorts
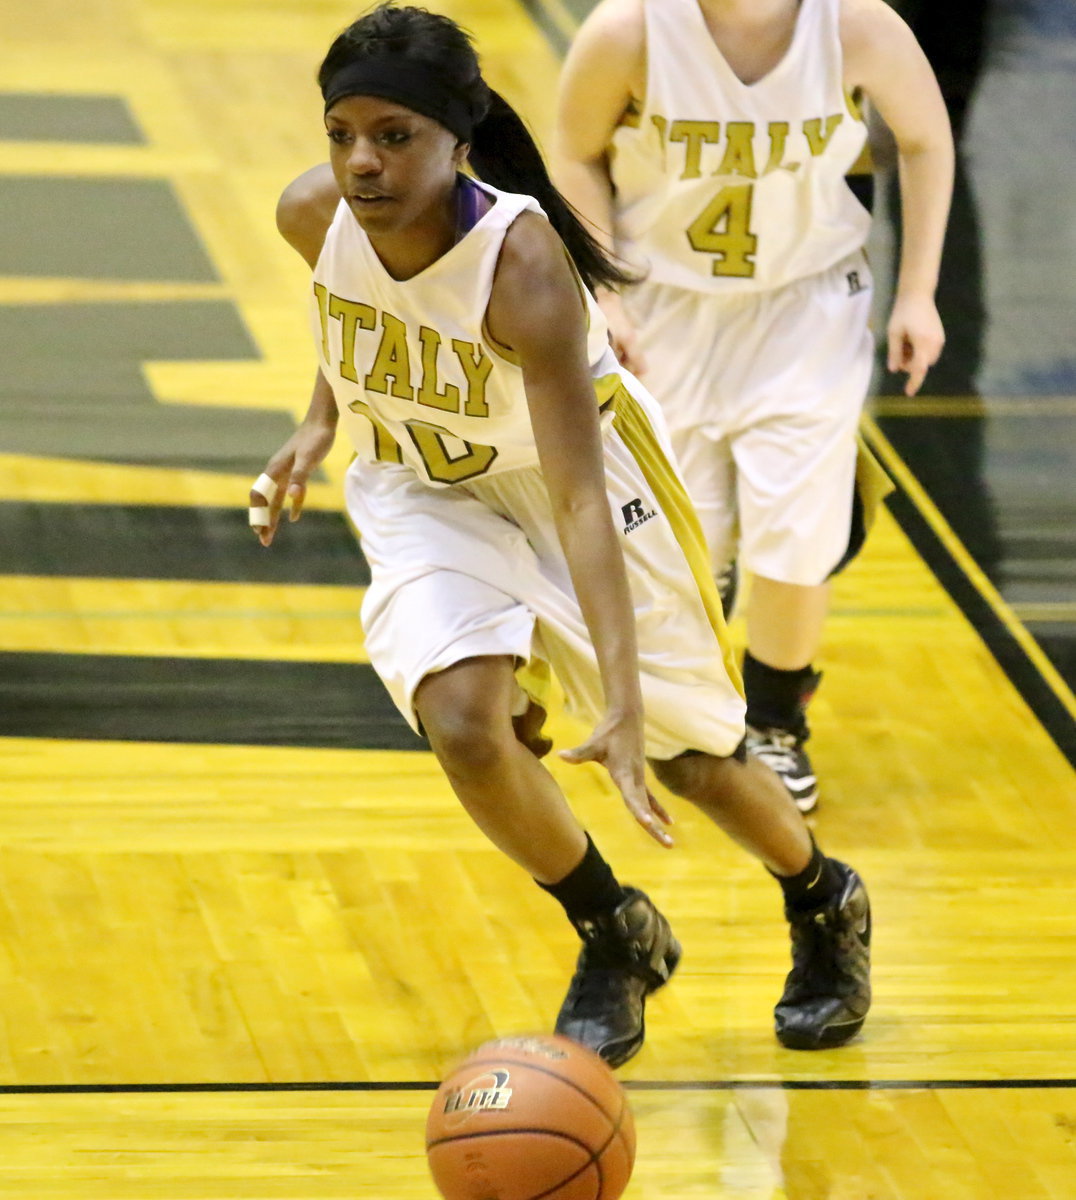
(630,421)
(872,481)
(535,678)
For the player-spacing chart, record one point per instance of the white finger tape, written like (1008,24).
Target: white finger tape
(265,486)
(259,516)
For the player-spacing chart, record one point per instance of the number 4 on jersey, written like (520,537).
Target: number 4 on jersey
(723,229)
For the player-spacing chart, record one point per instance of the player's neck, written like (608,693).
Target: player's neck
(408,251)
(749,12)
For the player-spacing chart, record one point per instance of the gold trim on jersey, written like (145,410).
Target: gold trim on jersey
(498,348)
(631,423)
(864,164)
(632,115)
(606,388)
(506,352)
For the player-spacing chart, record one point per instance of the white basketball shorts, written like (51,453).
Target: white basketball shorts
(762,393)
(478,570)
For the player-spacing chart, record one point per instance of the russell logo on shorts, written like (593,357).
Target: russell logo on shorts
(635,514)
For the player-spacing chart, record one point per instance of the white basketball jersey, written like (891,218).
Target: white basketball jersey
(416,375)
(724,186)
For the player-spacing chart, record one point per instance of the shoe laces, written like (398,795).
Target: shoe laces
(591,985)
(598,973)
(613,946)
(608,945)
(778,748)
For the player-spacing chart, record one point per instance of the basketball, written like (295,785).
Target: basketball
(524,1117)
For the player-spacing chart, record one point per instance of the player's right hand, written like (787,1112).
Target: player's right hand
(285,478)
(617,744)
(915,337)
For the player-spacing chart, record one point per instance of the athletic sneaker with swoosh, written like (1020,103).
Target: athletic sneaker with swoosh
(782,751)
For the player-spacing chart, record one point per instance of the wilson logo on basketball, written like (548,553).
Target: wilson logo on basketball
(481,1094)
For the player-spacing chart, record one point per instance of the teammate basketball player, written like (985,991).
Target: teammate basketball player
(708,142)
(516,506)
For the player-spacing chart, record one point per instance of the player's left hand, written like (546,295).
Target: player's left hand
(617,743)
(916,338)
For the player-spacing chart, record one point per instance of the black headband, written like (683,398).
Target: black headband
(405,81)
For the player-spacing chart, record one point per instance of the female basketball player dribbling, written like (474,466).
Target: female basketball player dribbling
(516,507)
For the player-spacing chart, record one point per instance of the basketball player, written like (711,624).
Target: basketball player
(517,509)
(707,141)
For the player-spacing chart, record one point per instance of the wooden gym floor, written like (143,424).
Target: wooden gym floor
(244,928)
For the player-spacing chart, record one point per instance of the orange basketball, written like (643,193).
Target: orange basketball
(531,1116)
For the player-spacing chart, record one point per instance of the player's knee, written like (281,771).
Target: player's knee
(469,741)
(681,775)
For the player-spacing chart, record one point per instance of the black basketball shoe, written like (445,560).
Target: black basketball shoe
(626,955)
(782,751)
(828,991)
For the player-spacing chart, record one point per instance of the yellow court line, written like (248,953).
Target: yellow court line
(181,618)
(30,478)
(76,159)
(15,289)
(942,530)
(974,406)
(1046,610)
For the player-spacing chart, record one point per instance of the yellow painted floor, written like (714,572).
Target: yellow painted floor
(223,915)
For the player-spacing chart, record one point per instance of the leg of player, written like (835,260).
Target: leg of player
(628,949)
(784,631)
(827,992)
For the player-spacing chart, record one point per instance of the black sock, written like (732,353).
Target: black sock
(588,889)
(819,881)
(776,698)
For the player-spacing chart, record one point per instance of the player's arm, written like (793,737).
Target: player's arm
(882,57)
(536,307)
(603,76)
(304,212)
(306,209)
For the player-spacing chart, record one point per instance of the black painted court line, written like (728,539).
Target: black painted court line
(1002,481)
(635,1085)
(1013,659)
(214,701)
(157,541)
